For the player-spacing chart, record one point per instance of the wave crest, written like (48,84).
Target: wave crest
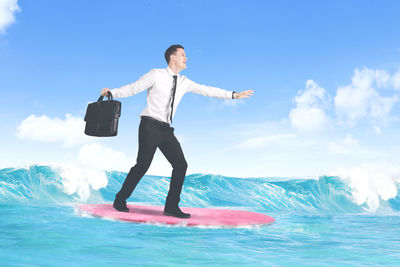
(69,183)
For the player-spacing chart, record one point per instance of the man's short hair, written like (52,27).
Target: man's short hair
(170,51)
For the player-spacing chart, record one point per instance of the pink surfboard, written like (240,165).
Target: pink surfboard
(199,216)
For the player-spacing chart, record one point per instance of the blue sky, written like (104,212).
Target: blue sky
(326,77)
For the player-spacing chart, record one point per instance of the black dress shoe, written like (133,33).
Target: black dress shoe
(120,206)
(176,213)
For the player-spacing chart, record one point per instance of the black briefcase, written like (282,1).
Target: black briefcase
(102,117)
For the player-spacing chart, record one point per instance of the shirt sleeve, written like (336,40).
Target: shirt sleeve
(208,90)
(144,82)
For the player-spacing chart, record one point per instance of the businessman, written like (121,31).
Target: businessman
(165,89)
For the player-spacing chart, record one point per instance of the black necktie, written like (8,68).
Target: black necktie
(173,97)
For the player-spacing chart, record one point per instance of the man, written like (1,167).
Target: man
(165,88)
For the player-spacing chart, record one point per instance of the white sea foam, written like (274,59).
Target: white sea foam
(371,183)
(78,179)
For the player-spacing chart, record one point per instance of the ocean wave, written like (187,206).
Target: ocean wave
(70,184)
(45,184)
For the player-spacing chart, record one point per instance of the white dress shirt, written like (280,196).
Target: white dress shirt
(158,83)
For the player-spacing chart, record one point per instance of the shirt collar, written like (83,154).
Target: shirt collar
(170,72)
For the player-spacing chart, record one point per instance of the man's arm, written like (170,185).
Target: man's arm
(217,92)
(144,82)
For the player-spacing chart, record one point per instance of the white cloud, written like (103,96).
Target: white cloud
(345,146)
(7,10)
(381,107)
(382,78)
(231,102)
(396,80)
(352,103)
(98,156)
(104,158)
(309,114)
(262,141)
(363,78)
(69,131)
(360,100)
(377,129)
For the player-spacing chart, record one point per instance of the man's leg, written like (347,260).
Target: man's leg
(173,152)
(148,139)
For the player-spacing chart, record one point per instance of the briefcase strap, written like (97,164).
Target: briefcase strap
(109,96)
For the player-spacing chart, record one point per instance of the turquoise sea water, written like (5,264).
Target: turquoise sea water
(318,223)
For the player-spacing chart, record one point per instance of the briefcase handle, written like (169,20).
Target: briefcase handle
(109,96)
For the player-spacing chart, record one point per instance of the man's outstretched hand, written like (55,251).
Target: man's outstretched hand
(104,91)
(244,94)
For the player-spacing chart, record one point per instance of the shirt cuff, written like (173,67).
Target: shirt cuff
(114,93)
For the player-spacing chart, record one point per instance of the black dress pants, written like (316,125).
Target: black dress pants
(153,134)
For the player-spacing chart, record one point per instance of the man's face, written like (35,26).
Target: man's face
(179,58)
